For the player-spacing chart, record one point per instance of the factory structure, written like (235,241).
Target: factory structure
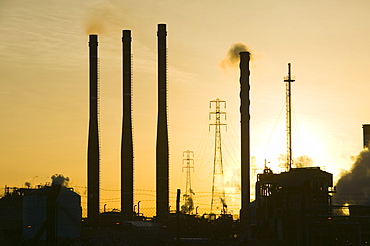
(294,207)
(290,208)
(39,214)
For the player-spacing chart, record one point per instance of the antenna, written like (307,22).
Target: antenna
(288,79)
(218,192)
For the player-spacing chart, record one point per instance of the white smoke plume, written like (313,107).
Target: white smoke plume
(298,162)
(232,180)
(233,56)
(31,181)
(60,179)
(354,186)
(102,17)
(303,161)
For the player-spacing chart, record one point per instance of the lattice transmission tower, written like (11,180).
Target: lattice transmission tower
(218,201)
(188,163)
(288,79)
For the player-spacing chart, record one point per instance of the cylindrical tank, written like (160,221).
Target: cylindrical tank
(68,217)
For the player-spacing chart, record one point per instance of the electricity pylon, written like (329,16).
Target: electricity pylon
(188,163)
(218,201)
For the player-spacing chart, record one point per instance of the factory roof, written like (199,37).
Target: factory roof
(295,177)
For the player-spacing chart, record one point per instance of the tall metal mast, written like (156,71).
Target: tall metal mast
(288,79)
(218,192)
(188,163)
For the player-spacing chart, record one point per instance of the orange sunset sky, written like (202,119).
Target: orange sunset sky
(44,87)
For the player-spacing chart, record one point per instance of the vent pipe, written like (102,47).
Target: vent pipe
(245,213)
(162,167)
(366,134)
(93,157)
(127,156)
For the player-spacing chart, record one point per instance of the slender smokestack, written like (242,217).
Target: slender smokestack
(93,158)
(245,140)
(366,129)
(162,184)
(127,155)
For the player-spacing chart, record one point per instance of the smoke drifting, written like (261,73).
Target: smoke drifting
(101,17)
(30,182)
(303,161)
(232,180)
(232,58)
(60,179)
(354,186)
(298,162)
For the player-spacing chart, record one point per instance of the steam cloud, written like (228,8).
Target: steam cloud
(60,179)
(299,162)
(354,186)
(101,17)
(232,181)
(303,161)
(30,182)
(233,57)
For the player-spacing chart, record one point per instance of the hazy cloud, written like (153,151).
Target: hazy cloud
(102,17)
(298,162)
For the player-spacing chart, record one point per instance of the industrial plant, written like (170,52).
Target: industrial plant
(297,207)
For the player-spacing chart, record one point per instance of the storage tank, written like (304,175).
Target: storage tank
(68,213)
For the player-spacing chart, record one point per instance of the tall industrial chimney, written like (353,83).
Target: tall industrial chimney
(366,134)
(127,156)
(162,184)
(93,158)
(245,213)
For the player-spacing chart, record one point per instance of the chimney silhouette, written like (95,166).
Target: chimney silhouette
(245,214)
(162,169)
(366,135)
(93,157)
(127,156)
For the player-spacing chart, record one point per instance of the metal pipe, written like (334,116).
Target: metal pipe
(138,208)
(366,135)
